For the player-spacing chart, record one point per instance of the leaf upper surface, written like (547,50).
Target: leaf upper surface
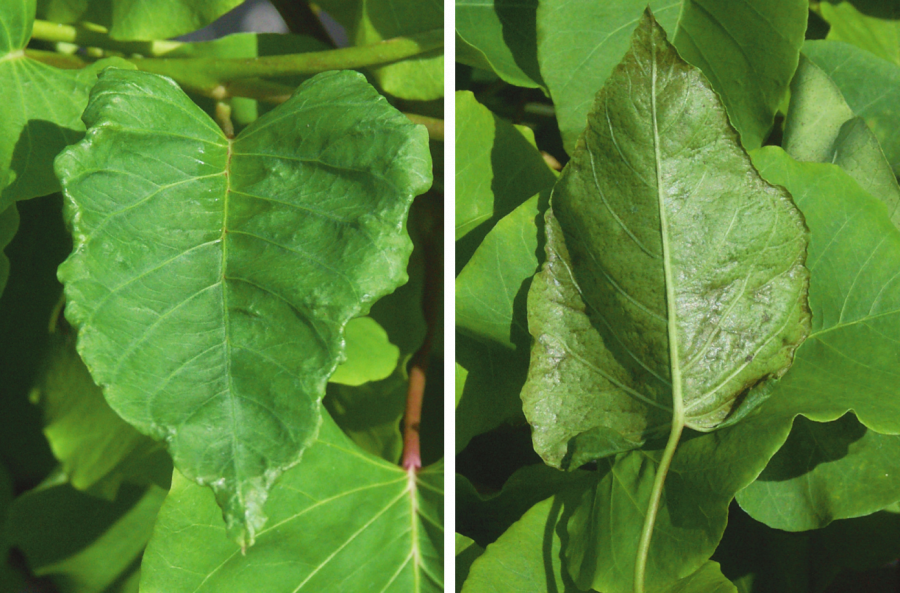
(659,229)
(340,521)
(42,108)
(211,279)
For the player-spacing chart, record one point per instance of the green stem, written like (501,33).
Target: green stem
(223,118)
(640,565)
(251,88)
(97,37)
(204,74)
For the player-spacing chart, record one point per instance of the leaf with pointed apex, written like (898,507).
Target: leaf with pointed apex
(211,279)
(659,230)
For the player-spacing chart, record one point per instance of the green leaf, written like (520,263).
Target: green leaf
(823,472)
(705,472)
(460,381)
(491,288)
(370,21)
(340,521)
(188,250)
(580,43)
(99,459)
(870,85)
(467,551)
(370,356)
(501,34)
(821,127)
(490,397)
(656,308)
(878,36)
(137,20)
(526,558)
(42,108)
(83,543)
(370,414)
(497,169)
(9,223)
(708,579)
(747,50)
(849,360)
(247,45)
(493,342)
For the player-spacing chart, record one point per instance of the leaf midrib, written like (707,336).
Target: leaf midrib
(226,324)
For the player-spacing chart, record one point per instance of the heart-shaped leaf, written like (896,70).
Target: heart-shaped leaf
(211,278)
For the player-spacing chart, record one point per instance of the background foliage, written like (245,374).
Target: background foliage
(83,492)
(806,476)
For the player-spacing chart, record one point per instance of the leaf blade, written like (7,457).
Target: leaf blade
(598,309)
(206,325)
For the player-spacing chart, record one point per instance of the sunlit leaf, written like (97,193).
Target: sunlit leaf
(420,78)
(821,127)
(42,108)
(869,84)
(342,520)
(211,278)
(137,20)
(370,356)
(747,50)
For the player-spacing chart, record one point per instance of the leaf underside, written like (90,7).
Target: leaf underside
(211,278)
(659,228)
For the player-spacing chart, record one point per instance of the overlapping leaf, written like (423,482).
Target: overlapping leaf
(530,556)
(342,520)
(579,43)
(834,371)
(84,543)
(137,20)
(42,108)
(497,170)
(370,356)
(849,360)
(212,278)
(500,35)
(880,36)
(9,222)
(869,84)
(99,459)
(674,275)
(821,127)
(370,21)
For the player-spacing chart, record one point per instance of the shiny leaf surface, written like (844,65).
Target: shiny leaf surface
(674,277)
(212,278)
